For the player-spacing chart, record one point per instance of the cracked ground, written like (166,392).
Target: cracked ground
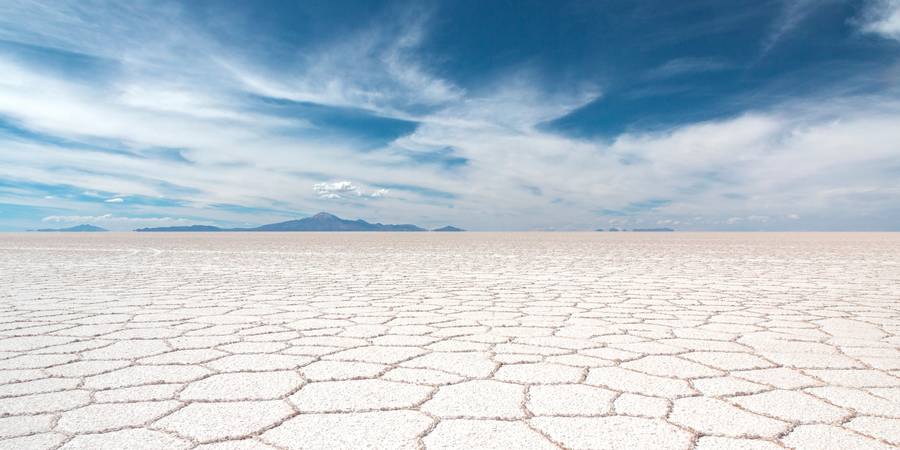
(470,340)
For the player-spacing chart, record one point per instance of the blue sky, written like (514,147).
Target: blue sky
(489,115)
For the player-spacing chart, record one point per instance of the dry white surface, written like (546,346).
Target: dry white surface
(427,340)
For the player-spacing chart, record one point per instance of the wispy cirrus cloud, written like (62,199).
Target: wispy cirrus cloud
(793,12)
(379,70)
(174,127)
(688,65)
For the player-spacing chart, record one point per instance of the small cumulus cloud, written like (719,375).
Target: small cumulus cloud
(753,219)
(338,189)
(114,200)
(345,189)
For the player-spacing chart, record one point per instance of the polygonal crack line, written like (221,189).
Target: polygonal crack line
(54,418)
(853,415)
(790,425)
(257,434)
(412,406)
(870,393)
(849,430)
(145,424)
(859,433)
(850,411)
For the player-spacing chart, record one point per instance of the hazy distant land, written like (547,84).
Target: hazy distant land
(320,222)
(83,228)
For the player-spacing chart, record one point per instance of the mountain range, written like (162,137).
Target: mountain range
(76,229)
(319,222)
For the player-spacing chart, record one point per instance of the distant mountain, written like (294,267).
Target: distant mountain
(448,228)
(319,222)
(83,228)
(188,228)
(329,222)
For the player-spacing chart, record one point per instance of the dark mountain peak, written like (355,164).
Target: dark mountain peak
(324,216)
(85,227)
(448,228)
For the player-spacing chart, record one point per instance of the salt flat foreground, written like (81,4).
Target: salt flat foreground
(383,341)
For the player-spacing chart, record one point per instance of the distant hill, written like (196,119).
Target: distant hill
(639,229)
(448,228)
(83,228)
(187,228)
(329,222)
(319,222)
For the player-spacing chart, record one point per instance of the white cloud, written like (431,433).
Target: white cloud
(345,189)
(338,189)
(376,68)
(114,200)
(882,17)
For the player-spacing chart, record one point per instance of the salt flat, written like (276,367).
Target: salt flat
(470,340)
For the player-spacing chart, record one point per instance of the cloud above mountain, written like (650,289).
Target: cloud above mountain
(345,189)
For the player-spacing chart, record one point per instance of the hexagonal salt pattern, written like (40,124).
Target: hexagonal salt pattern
(409,341)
